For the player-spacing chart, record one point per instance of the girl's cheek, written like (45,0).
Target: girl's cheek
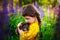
(31,20)
(26,20)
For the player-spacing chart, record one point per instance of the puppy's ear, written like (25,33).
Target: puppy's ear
(19,24)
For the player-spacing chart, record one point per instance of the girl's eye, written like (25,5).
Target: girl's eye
(27,18)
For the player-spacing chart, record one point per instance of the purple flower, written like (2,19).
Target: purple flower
(41,12)
(21,9)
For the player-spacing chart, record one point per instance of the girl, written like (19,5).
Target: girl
(31,16)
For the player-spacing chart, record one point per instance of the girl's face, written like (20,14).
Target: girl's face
(30,19)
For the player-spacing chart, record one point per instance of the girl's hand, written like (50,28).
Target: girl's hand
(20,31)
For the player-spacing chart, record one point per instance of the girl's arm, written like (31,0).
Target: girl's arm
(20,31)
(33,31)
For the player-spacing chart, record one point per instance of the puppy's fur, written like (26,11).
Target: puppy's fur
(24,26)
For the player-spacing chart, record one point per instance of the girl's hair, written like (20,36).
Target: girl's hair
(30,11)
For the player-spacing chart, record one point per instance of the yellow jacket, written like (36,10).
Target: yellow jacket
(31,34)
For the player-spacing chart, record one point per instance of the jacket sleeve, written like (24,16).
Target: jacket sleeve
(32,32)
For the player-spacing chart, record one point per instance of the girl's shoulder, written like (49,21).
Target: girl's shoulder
(34,24)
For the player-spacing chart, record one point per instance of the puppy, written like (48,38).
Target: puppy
(24,26)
